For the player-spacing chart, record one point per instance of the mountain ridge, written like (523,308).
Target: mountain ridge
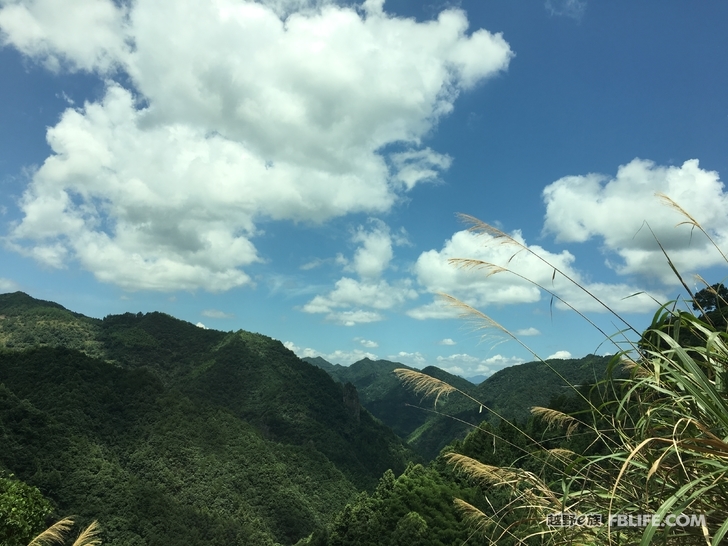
(508,393)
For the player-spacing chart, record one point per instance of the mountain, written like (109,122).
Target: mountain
(509,393)
(512,391)
(170,434)
(477,379)
(408,414)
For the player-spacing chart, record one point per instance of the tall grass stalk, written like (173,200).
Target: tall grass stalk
(58,532)
(664,424)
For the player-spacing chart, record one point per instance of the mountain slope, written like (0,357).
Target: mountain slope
(171,434)
(513,391)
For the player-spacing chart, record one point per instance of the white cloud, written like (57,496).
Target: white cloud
(467,365)
(414,360)
(345,358)
(369,344)
(79,34)
(437,309)
(447,341)
(349,292)
(161,186)
(562,355)
(313,264)
(375,252)
(200,325)
(346,303)
(354,317)
(214,313)
(417,166)
(8,285)
(579,208)
(527,332)
(477,288)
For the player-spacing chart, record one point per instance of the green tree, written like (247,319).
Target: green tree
(23,511)
(410,530)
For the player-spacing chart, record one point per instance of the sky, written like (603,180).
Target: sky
(297,168)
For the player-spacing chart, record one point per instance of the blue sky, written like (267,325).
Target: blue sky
(294,168)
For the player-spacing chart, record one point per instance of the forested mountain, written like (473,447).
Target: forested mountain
(513,390)
(172,434)
(509,393)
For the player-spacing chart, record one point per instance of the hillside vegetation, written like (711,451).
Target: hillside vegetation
(508,393)
(171,434)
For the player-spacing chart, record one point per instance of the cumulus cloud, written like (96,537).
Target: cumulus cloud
(562,355)
(360,300)
(417,166)
(527,332)
(467,365)
(214,313)
(280,110)
(345,358)
(615,210)
(369,344)
(414,360)
(375,252)
(447,341)
(41,29)
(477,288)
(350,292)
(200,325)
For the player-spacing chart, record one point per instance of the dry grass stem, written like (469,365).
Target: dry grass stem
(554,417)
(477,226)
(55,534)
(656,441)
(89,536)
(423,384)
(690,221)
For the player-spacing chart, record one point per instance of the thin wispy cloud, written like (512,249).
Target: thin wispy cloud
(573,9)
(8,285)
(214,313)
(525,332)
